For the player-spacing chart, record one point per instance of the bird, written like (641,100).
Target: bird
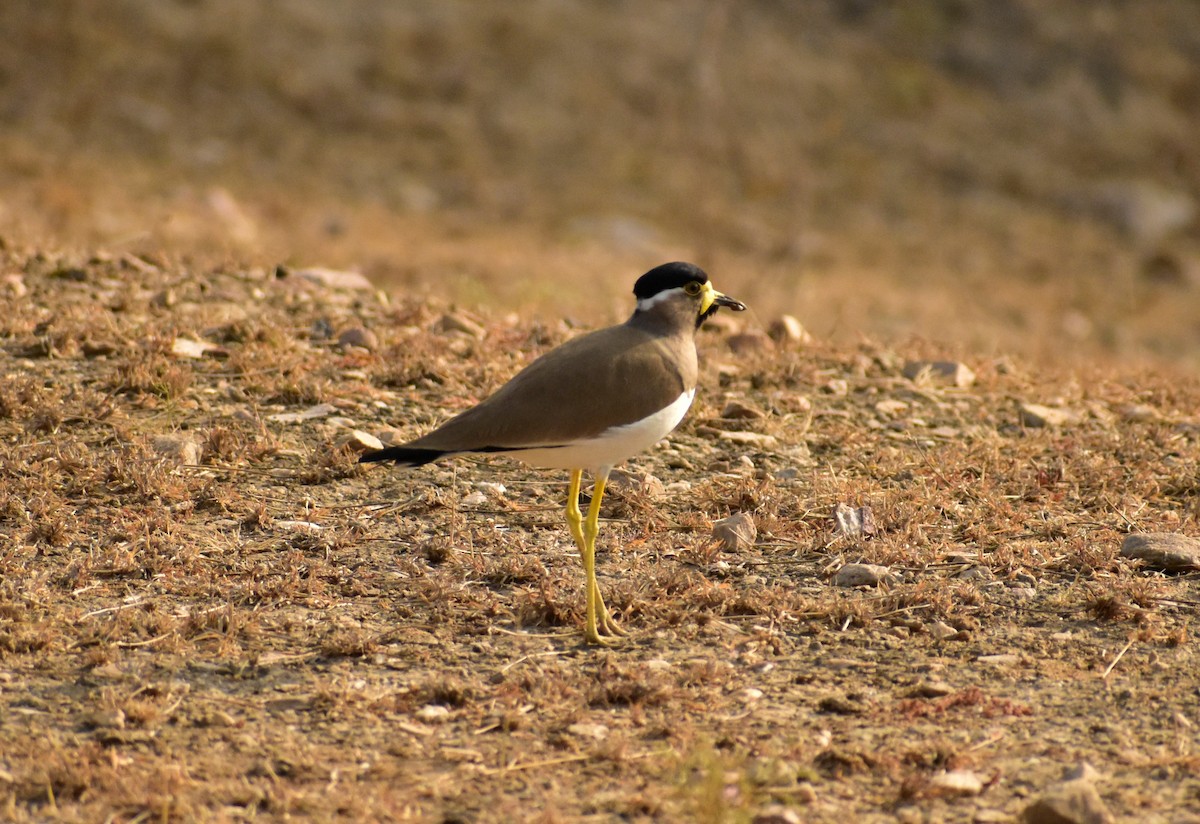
(588,405)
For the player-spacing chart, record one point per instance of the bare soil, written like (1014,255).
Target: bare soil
(210,612)
(265,629)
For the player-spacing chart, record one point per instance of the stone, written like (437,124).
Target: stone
(776,814)
(853,522)
(321,410)
(188,348)
(957,782)
(890,408)
(14,285)
(458,322)
(475,498)
(1167,551)
(862,575)
(952,372)
(333,278)
(1000,659)
(358,441)
(179,448)
(1137,412)
(1145,210)
(1083,771)
(307,527)
(1071,802)
(1037,416)
(737,532)
(736,410)
(746,342)
(747,438)
(932,689)
(787,329)
(941,631)
(433,714)
(596,732)
(360,337)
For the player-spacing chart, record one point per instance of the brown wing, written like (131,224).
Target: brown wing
(607,378)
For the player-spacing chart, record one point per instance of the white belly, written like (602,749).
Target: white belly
(612,446)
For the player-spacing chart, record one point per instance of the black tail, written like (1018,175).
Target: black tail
(404,455)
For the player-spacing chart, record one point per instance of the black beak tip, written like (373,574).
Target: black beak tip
(730,303)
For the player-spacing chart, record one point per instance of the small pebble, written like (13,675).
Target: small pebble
(333,278)
(597,732)
(359,441)
(1167,551)
(1071,802)
(433,714)
(952,372)
(787,329)
(360,337)
(932,689)
(458,322)
(941,631)
(181,449)
(957,782)
(747,438)
(853,522)
(737,410)
(777,814)
(747,342)
(1036,416)
(1003,659)
(321,410)
(737,532)
(862,575)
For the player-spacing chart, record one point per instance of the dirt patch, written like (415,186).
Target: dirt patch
(274,631)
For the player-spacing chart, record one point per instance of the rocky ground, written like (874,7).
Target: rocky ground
(920,610)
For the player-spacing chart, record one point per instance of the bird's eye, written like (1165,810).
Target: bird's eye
(692,288)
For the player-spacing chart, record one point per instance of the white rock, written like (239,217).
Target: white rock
(787,329)
(360,337)
(1035,416)
(334,278)
(854,522)
(458,322)
(1071,802)
(188,348)
(952,372)
(957,782)
(359,441)
(597,732)
(179,448)
(321,410)
(1163,550)
(737,532)
(433,714)
(747,438)
(862,575)
(300,526)
(941,631)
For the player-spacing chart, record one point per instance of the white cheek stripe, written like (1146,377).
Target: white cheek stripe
(645,304)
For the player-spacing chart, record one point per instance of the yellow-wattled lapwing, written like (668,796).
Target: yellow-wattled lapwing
(590,404)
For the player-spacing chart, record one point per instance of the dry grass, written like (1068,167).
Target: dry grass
(275,631)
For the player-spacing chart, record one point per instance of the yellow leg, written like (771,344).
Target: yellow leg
(597,618)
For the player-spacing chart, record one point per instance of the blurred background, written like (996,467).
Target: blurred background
(995,175)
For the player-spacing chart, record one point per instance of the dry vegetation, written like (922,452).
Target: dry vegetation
(209,611)
(262,627)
